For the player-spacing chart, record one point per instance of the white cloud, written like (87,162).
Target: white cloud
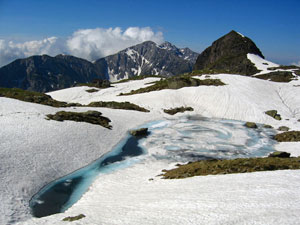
(90,44)
(296,63)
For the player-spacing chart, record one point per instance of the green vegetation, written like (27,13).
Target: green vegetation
(289,136)
(97,83)
(118,105)
(74,218)
(274,114)
(284,67)
(176,82)
(34,97)
(209,71)
(241,165)
(93,117)
(141,77)
(173,111)
(277,76)
(92,90)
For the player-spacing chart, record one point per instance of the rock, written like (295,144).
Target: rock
(273,113)
(229,53)
(74,218)
(250,125)
(139,132)
(289,136)
(173,111)
(283,128)
(267,126)
(280,154)
(93,117)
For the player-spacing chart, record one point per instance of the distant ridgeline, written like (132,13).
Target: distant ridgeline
(45,73)
(233,54)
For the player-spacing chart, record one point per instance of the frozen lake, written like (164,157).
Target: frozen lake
(175,140)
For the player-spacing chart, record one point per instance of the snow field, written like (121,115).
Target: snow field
(33,158)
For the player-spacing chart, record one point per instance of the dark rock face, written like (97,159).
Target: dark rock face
(139,132)
(229,53)
(148,58)
(45,73)
(280,154)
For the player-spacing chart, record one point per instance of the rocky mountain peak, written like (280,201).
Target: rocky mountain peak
(229,53)
(148,58)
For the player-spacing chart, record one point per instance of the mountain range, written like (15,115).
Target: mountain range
(44,73)
(233,54)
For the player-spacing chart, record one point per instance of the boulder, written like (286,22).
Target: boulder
(250,125)
(280,154)
(139,132)
(274,114)
(283,128)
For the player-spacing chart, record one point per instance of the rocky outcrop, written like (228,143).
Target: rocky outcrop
(139,132)
(289,136)
(182,109)
(250,125)
(229,54)
(93,117)
(280,154)
(273,113)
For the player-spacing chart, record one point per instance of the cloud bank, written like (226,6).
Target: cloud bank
(296,63)
(90,44)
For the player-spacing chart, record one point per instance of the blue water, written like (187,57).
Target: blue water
(179,140)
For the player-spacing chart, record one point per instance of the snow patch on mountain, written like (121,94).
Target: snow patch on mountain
(260,63)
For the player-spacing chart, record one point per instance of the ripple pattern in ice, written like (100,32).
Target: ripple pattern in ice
(195,138)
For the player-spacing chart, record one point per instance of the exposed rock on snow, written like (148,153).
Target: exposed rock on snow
(93,117)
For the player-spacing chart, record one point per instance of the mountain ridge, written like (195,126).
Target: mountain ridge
(45,73)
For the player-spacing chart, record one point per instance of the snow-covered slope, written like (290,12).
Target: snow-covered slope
(35,151)
(260,63)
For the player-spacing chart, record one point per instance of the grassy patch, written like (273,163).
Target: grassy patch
(141,77)
(176,82)
(93,117)
(241,165)
(34,97)
(209,71)
(284,67)
(118,105)
(97,83)
(173,111)
(289,136)
(278,76)
(74,218)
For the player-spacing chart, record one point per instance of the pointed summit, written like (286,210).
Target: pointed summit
(229,53)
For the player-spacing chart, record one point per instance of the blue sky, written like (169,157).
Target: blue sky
(272,25)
